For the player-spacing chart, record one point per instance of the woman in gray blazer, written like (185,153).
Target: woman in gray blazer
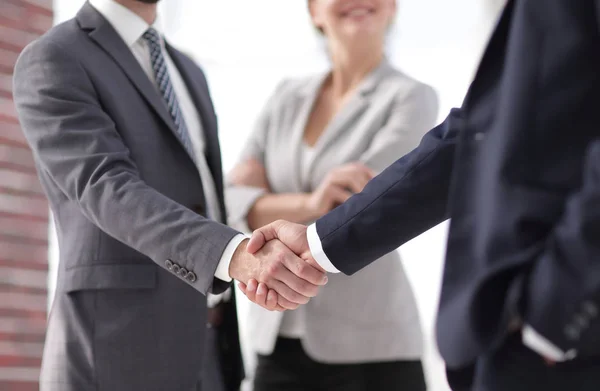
(319,140)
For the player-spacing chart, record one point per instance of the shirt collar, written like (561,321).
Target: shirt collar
(128,25)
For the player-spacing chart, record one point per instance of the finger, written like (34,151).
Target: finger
(250,291)
(299,290)
(272,300)
(242,287)
(291,296)
(261,236)
(308,278)
(369,173)
(359,182)
(361,167)
(283,304)
(339,195)
(261,294)
(312,262)
(257,240)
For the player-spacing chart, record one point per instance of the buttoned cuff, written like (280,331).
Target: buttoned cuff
(316,249)
(544,347)
(222,272)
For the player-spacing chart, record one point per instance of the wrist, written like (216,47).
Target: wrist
(238,259)
(310,207)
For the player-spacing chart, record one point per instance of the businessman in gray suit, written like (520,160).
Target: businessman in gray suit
(125,140)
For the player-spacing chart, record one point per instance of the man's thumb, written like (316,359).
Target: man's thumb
(260,237)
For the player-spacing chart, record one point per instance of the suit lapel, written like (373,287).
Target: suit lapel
(107,38)
(198,89)
(306,98)
(493,57)
(343,120)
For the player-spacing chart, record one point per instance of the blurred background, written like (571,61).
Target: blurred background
(245,48)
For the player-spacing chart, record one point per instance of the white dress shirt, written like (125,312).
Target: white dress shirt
(131,29)
(530,337)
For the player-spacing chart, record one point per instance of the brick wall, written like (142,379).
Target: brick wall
(23,213)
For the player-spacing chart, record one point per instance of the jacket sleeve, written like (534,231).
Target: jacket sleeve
(76,145)
(405,200)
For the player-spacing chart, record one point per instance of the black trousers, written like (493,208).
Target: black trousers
(289,368)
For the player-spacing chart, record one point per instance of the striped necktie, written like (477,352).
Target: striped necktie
(166,89)
(165,86)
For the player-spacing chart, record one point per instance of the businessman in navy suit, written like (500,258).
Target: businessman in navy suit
(517,169)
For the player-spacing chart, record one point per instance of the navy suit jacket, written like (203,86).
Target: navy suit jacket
(517,169)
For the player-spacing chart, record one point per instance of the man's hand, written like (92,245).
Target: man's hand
(292,280)
(294,237)
(291,234)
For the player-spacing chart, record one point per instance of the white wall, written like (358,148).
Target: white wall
(248,46)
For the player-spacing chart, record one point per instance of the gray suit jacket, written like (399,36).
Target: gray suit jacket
(371,316)
(136,255)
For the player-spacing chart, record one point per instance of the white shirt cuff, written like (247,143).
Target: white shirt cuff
(222,272)
(543,347)
(316,249)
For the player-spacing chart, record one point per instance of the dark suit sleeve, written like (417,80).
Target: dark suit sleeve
(563,292)
(77,146)
(405,200)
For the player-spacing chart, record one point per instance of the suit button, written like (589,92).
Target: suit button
(590,309)
(175,269)
(572,332)
(169,264)
(182,272)
(570,354)
(582,321)
(479,136)
(191,277)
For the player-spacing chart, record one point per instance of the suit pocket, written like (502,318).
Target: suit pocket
(110,276)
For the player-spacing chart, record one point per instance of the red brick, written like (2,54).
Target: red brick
(27,301)
(8,59)
(23,265)
(4,288)
(15,361)
(39,5)
(19,227)
(29,349)
(7,107)
(26,314)
(18,386)
(31,281)
(21,336)
(19,181)
(19,252)
(6,82)
(15,39)
(23,213)
(39,22)
(22,325)
(11,133)
(16,158)
(23,205)
(13,12)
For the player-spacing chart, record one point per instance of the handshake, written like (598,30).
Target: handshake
(275,268)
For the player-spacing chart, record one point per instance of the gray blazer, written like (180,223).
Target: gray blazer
(136,255)
(372,315)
